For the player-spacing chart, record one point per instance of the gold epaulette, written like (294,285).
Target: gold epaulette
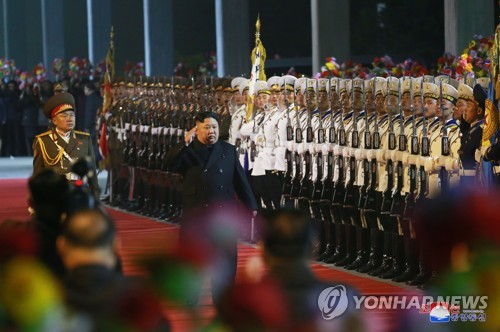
(48,132)
(82,133)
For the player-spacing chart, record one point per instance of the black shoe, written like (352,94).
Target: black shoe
(410,272)
(421,279)
(361,260)
(363,245)
(398,259)
(329,251)
(351,254)
(386,256)
(375,257)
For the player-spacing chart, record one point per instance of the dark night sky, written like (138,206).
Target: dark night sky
(286,29)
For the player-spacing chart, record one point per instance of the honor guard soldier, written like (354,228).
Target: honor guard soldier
(284,134)
(253,132)
(330,125)
(62,146)
(238,116)
(268,154)
(291,185)
(439,179)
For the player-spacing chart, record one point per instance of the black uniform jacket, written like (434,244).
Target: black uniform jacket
(211,178)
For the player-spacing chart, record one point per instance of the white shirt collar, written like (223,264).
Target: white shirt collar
(64,136)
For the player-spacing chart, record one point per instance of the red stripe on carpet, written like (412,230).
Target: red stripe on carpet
(141,236)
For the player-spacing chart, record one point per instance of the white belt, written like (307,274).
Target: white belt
(467,172)
(71,176)
(269,145)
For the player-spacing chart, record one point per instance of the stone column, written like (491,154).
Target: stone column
(52,31)
(98,29)
(331,33)
(233,37)
(158,37)
(463,19)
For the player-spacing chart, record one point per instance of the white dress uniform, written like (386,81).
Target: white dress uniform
(283,119)
(436,161)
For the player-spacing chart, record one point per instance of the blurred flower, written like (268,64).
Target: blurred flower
(28,292)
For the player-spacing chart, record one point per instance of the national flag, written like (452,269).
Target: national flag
(258,58)
(107,99)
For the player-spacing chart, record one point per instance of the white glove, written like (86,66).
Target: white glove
(312,148)
(318,148)
(371,154)
(300,148)
(392,155)
(357,154)
(478,155)
(398,155)
(290,145)
(381,156)
(413,159)
(451,164)
(429,164)
(405,157)
(337,150)
(325,149)
(346,152)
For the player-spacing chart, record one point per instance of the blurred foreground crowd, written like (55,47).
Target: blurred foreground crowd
(61,270)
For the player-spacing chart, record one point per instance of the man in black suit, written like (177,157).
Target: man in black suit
(213,179)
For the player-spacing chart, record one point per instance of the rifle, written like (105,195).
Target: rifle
(424,152)
(326,194)
(412,171)
(287,183)
(397,208)
(296,183)
(387,195)
(445,146)
(366,163)
(306,185)
(253,147)
(339,190)
(349,187)
(318,183)
(371,199)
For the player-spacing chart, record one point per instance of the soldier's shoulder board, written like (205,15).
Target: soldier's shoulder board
(82,133)
(48,132)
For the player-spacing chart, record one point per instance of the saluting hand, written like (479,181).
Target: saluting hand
(190,136)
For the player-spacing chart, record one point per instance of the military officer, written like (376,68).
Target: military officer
(471,138)
(60,147)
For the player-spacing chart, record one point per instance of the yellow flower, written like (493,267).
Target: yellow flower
(28,291)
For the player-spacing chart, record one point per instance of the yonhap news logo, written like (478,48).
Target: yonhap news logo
(333,302)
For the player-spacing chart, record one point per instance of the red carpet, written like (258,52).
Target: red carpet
(139,236)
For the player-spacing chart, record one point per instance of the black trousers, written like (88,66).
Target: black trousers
(273,188)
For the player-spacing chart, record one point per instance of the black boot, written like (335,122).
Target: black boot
(411,261)
(330,247)
(339,252)
(386,256)
(398,258)
(375,258)
(424,273)
(319,239)
(363,251)
(350,237)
